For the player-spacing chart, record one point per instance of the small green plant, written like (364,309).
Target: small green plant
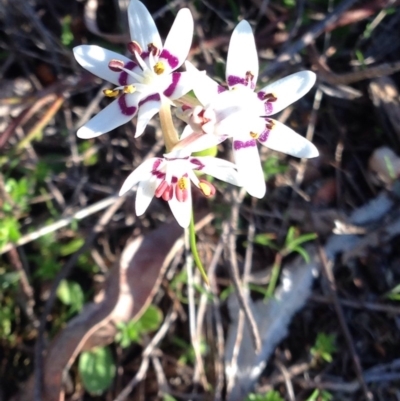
(272,395)
(7,317)
(168,397)
(324,347)
(9,230)
(293,243)
(51,253)
(89,153)
(394,293)
(70,293)
(18,190)
(273,166)
(320,395)
(97,370)
(67,36)
(133,331)
(189,355)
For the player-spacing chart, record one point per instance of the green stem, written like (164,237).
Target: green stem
(193,247)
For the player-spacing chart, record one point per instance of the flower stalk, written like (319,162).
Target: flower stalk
(193,247)
(167,126)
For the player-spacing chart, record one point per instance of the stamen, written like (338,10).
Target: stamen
(134,47)
(168,193)
(249,76)
(269,97)
(181,189)
(129,89)
(254,135)
(153,49)
(206,188)
(164,190)
(116,65)
(269,124)
(137,77)
(159,67)
(111,92)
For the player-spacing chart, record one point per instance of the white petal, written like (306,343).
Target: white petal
(249,167)
(205,88)
(142,26)
(284,139)
(242,56)
(141,173)
(186,132)
(213,162)
(147,110)
(179,39)
(182,211)
(219,168)
(117,113)
(145,194)
(181,83)
(95,59)
(289,89)
(202,142)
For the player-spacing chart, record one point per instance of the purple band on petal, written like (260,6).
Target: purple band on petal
(172,60)
(154,96)
(176,76)
(198,163)
(221,89)
(123,77)
(174,179)
(269,108)
(261,95)
(125,109)
(158,174)
(244,144)
(264,136)
(156,164)
(234,80)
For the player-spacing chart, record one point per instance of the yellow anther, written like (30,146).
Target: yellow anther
(159,67)
(206,189)
(254,135)
(183,183)
(111,92)
(129,89)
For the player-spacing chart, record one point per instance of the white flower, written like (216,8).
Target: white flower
(169,178)
(141,84)
(243,114)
